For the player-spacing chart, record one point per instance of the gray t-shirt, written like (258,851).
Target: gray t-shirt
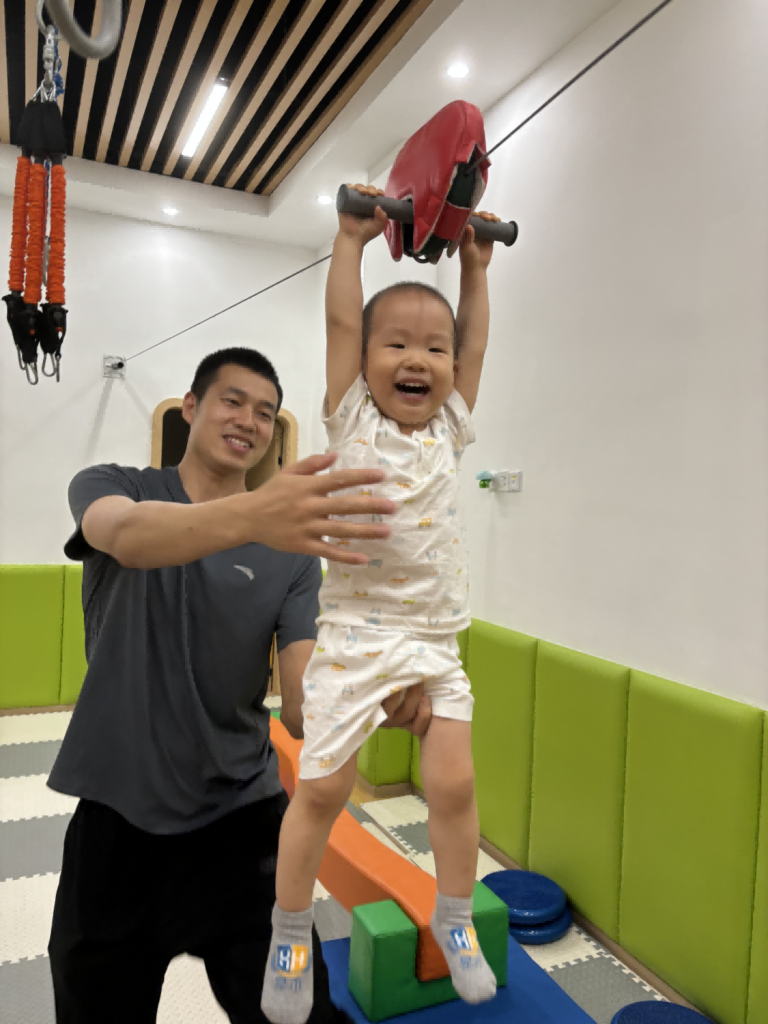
(170,729)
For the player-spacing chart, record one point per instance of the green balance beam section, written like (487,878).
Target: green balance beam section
(382,961)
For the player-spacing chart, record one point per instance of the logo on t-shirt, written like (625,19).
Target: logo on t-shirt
(244,569)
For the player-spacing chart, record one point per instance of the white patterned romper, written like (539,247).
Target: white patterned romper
(392,623)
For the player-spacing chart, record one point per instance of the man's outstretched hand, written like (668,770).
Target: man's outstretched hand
(293,510)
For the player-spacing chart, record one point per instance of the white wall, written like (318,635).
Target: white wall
(627,371)
(130,284)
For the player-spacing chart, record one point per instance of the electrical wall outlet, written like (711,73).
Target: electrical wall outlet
(507,480)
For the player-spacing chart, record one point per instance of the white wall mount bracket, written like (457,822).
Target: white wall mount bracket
(114,367)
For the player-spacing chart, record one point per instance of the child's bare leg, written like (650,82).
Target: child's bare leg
(446,770)
(287,993)
(449,784)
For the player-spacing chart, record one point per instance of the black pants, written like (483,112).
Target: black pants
(128,902)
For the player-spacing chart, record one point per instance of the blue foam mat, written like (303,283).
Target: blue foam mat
(529,997)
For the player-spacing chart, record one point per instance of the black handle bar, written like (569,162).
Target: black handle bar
(349,200)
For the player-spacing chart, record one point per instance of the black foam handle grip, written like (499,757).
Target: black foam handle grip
(349,200)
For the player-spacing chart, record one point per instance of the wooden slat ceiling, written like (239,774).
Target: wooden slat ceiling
(290,65)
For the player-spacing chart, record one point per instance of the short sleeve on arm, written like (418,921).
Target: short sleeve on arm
(344,421)
(459,422)
(88,486)
(301,606)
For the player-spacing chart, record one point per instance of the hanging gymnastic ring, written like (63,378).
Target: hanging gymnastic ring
(86,46)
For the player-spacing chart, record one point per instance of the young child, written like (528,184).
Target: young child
(392,623)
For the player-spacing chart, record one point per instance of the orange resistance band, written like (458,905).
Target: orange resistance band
(36,238)
(19,228)
(56,238)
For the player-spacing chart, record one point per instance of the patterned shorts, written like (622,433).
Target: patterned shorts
(353,670)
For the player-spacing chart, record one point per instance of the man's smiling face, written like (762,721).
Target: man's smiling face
(231,426)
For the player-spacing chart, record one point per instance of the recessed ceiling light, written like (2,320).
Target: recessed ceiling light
(325,200)
(170,210)
(206,116)
(458,70)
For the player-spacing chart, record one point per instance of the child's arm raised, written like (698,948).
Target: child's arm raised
(344,300)
(473,316)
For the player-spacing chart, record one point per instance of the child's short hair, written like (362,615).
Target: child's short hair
(404,286)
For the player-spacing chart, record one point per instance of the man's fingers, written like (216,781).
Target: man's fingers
(407,709)
(390,706)
(322,549)
(341,479)
(402,714)
(413,713)
(422,718)
(350,505)
(344,532)
(311,465)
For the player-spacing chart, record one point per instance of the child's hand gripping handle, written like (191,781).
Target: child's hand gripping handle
(349,200)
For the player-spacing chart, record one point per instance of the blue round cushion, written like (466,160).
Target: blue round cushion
(657,1013)
(531,898)
(538,934)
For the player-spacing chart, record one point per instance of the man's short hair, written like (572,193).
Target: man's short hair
(404,286)
(208,371)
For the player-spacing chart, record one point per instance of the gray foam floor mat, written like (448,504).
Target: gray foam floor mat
(601,987)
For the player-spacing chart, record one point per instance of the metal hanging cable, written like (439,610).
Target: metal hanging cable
(596,61)
(227,309)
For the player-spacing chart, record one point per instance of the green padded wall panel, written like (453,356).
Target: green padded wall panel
(385,757)
(757,1010)
(463,639)
(73,663)
(502,667)
(579,747)
(690,827)
(31,601)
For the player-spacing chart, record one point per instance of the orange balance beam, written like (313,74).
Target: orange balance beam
(358,869)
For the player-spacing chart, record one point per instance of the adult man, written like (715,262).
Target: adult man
(187,577)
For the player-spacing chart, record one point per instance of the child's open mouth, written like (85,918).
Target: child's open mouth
(412,392)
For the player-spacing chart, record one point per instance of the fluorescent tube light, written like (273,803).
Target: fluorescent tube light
(206,116)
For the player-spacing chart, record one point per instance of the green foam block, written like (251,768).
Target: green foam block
(382,959)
